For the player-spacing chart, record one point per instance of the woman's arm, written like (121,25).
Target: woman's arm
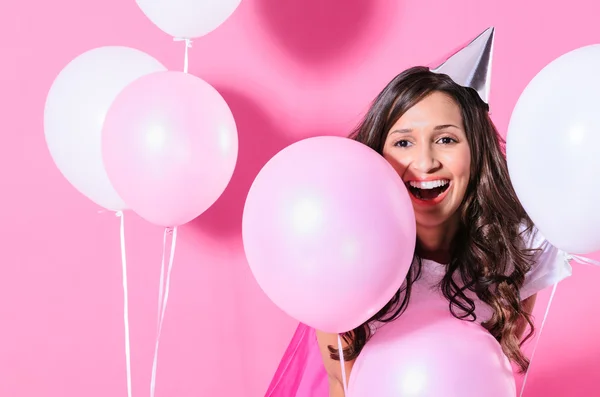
(528,305)
(333,367)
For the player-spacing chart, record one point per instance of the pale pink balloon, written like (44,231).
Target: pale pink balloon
(329,232)
(170,146)
(427,352)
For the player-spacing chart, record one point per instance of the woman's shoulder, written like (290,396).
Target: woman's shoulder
(550,264)
(328,343)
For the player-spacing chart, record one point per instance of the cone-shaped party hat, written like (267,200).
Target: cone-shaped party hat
(471,65)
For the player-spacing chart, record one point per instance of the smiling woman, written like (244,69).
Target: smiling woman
(476,246)
(478,254)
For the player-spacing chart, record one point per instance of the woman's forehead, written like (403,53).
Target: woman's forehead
(435,110)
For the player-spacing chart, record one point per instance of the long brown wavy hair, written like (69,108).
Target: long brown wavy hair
(488,250)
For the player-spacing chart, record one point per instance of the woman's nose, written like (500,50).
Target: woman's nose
(425,161)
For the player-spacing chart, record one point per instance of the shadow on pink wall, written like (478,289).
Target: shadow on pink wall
(259,141)
(317,31)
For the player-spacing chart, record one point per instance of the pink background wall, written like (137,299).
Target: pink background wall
(289,69)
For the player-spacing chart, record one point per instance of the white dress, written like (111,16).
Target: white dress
(550,267)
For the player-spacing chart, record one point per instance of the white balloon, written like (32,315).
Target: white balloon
(188,19)
(75,110)
(553,150)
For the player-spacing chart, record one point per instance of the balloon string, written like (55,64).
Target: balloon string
(188,45)
(343,365)
(583,260)
(125,302)
(161,286)
(163,297)
(537,341)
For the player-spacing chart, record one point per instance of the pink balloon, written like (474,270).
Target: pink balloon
(427,352)
(329,232)
(169,146)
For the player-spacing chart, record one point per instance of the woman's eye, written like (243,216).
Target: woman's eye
(446,140)
(402,143)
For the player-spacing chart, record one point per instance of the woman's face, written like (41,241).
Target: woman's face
(428,148)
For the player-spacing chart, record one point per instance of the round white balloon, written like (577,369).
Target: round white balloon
(75,110)
(188,19)
(553,152)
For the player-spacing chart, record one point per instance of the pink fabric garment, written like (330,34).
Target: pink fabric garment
(301,372)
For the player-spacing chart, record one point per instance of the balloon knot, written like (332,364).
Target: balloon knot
(188,42)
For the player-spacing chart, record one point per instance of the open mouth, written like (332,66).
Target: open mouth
(428,190)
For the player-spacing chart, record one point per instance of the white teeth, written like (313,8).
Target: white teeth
(429,184)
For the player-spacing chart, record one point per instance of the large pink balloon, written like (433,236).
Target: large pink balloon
(427,352)
(329,232)
(169,146)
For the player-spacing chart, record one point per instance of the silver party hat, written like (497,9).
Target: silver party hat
(471,65)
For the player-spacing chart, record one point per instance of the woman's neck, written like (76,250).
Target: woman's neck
(435,243)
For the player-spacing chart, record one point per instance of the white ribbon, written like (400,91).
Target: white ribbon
(343,365)
(163,297)
(583,260)
(579,259)
(188,45)
(119,214)
(537,340)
